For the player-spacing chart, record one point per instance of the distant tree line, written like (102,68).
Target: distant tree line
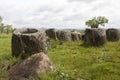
(5,28)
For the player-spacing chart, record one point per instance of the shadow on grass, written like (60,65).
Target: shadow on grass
(90,46)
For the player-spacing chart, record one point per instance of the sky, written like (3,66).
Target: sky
(58,13)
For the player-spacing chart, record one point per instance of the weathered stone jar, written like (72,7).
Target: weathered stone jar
(63,35)
(51,33)
(113,34)
(27,42)
(75,36)
(95,37)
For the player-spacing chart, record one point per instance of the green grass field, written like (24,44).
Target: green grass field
(73,61)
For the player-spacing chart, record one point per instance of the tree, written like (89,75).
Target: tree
(96,21)
(2,28)
(8,29)
(5,28)
(0,20)
(1,25)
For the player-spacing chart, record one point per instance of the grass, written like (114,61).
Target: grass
(73,61)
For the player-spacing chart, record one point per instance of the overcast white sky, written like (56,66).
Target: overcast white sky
(58,13)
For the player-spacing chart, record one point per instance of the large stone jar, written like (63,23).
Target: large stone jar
(95,37)
(27,42)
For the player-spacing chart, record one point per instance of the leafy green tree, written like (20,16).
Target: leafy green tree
(1,25)
(96,21)
(5,28)
(0,19)
(8,29)
(2,28)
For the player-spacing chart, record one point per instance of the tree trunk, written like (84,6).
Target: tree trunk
(28,42)
(113,34)
(95,37)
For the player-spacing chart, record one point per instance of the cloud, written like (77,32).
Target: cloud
(47,8)
(58,13)
(86,1)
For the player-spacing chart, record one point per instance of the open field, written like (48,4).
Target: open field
(73,60)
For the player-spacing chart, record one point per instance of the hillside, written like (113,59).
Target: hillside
(73,61)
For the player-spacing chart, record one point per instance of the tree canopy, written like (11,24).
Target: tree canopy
(0,20)
(5,28)
(96,21)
